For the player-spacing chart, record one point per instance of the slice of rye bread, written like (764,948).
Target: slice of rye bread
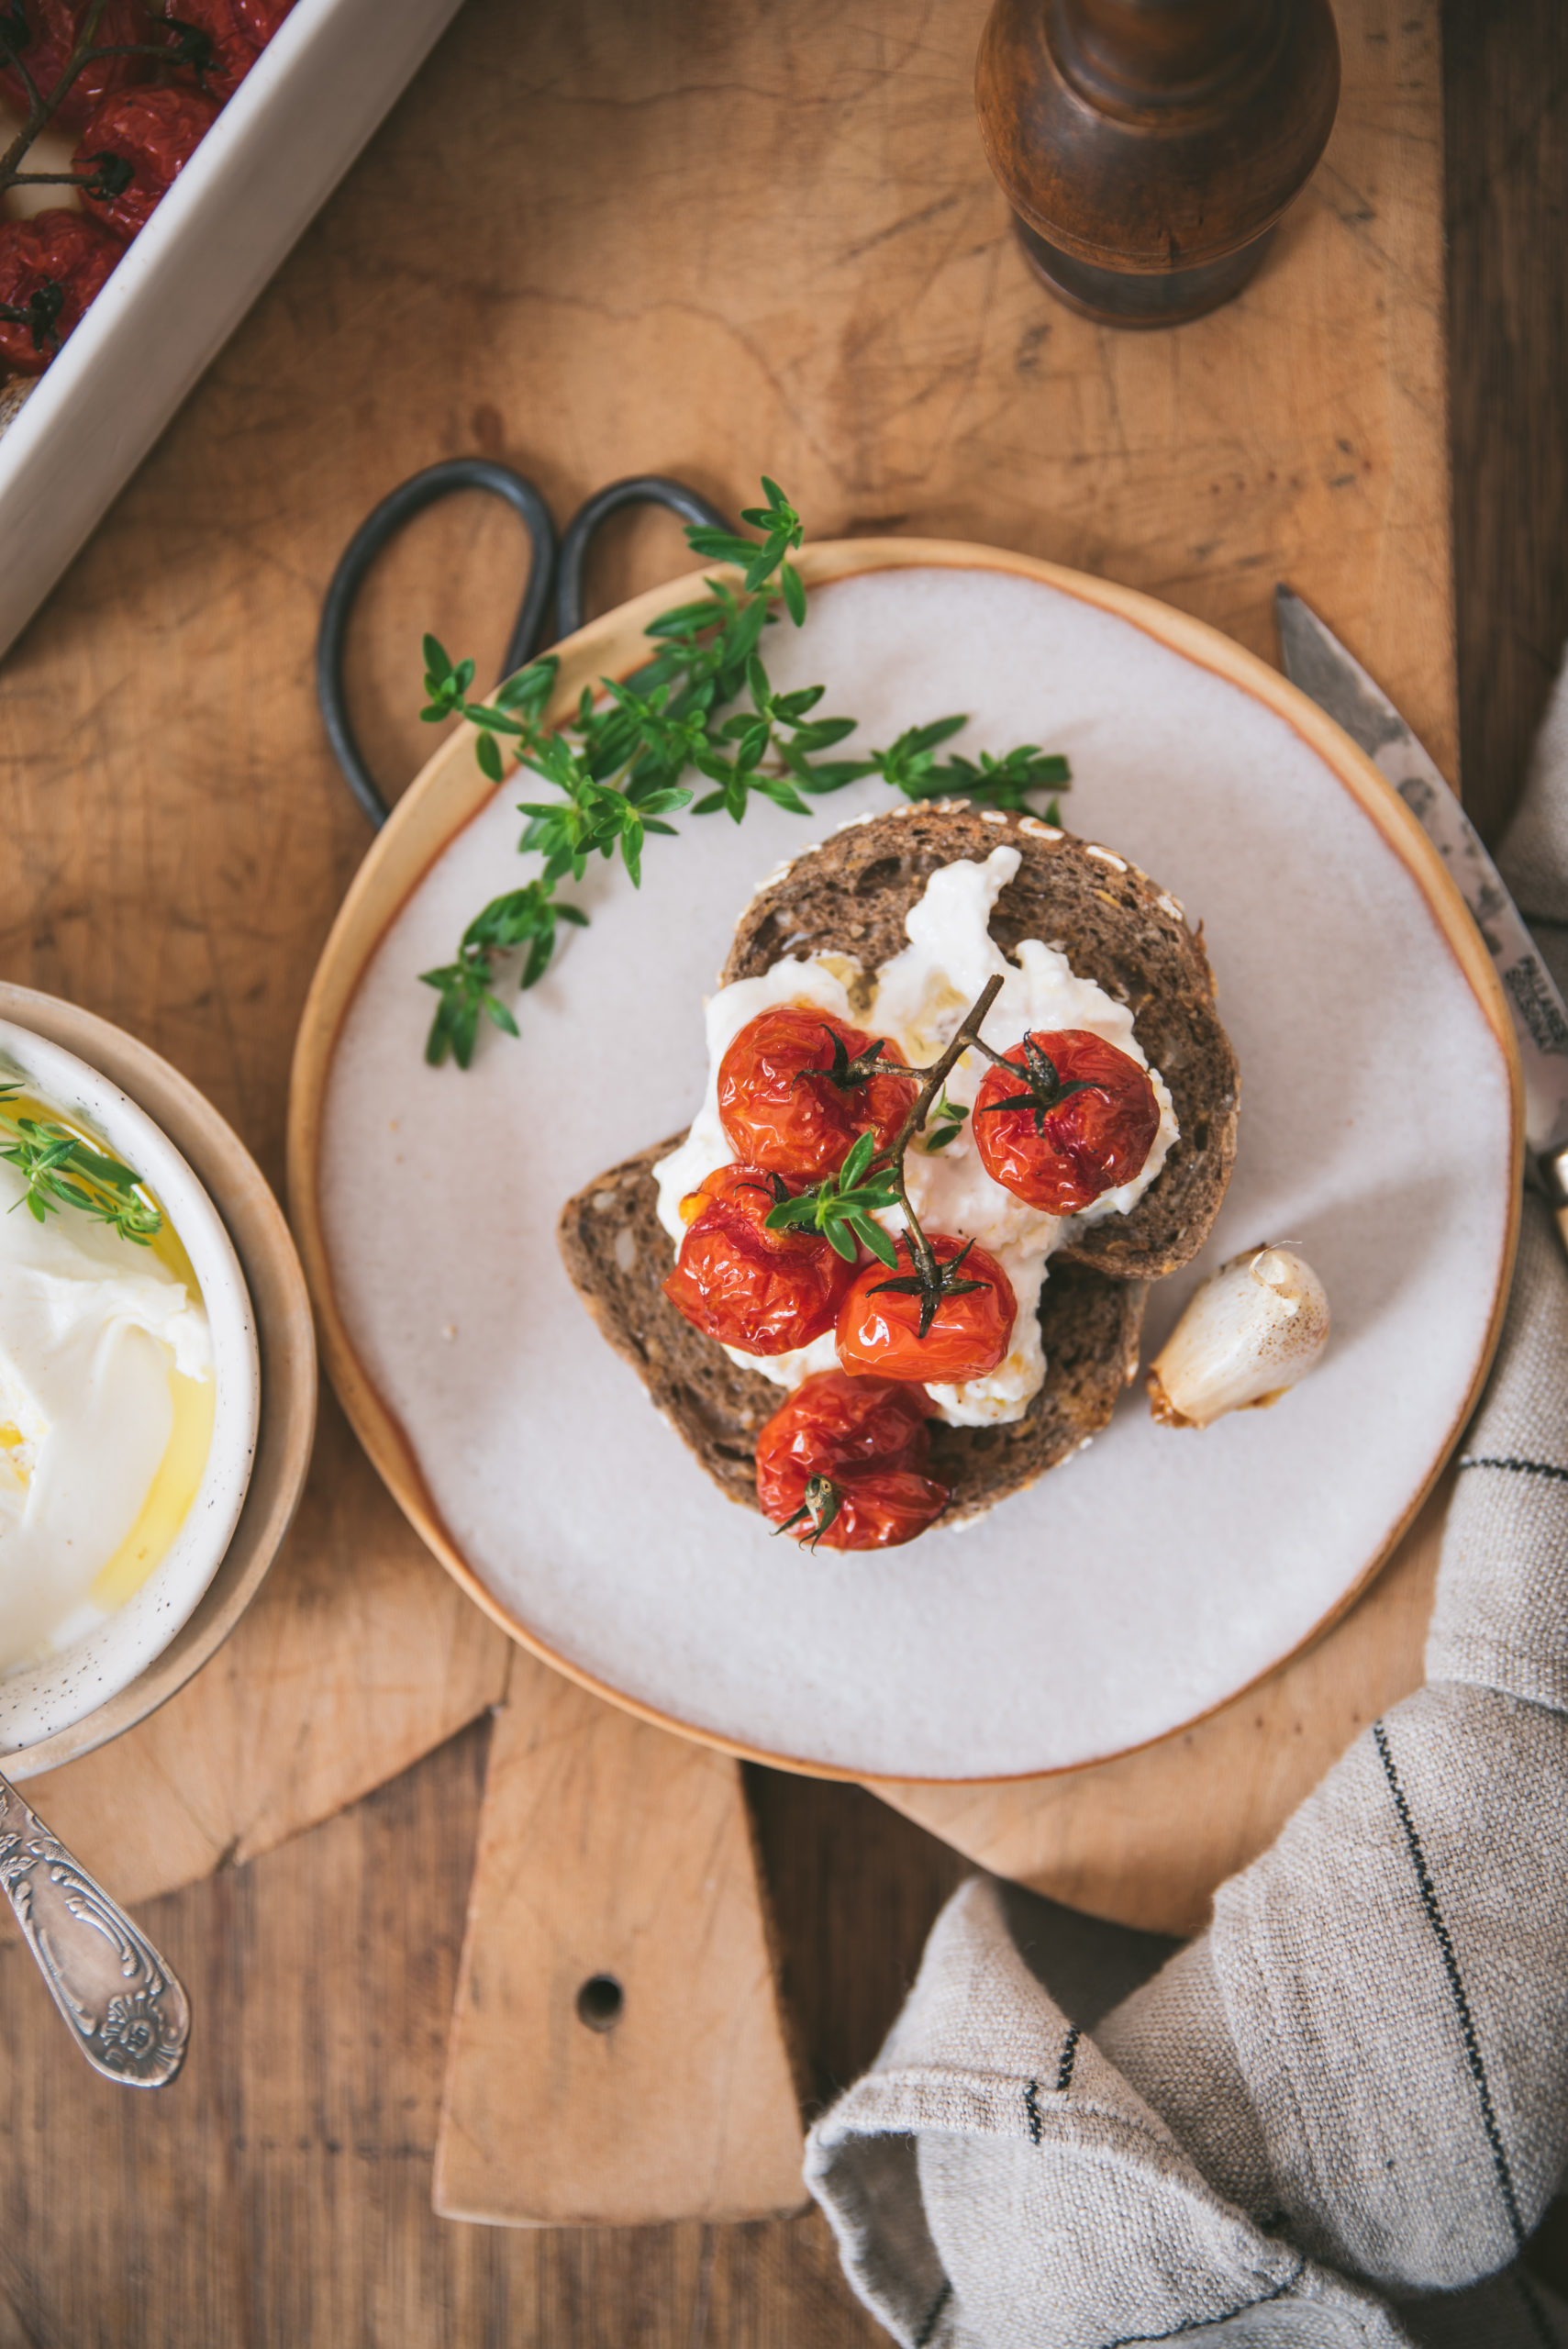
(618,1254)
(1115,925)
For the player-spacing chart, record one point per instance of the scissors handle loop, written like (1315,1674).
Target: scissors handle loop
(375,534)
(565,582)
(638,489)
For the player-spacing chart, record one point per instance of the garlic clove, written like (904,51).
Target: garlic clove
(1250,1332)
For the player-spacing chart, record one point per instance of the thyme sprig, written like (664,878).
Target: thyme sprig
(703,702)
(840,1207)
(61,1170)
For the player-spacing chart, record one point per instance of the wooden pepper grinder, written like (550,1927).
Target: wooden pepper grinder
(1149,147)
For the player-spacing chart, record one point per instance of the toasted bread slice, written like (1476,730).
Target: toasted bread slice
(1115,925)
(850,896)
(619,1254)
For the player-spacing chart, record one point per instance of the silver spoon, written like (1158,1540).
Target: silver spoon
(127,2012)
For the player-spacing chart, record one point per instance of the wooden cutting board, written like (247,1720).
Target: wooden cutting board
(855,316)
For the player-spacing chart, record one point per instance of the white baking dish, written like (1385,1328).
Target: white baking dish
(269,163)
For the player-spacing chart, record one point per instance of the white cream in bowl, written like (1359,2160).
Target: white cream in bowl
(129,1395)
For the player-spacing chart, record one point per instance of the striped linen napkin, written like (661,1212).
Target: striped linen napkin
(1336,2117)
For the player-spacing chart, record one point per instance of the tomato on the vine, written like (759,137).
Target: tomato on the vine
(767,1292)
(51,268)
(260,19)
(40,35)
(228,49)
(153,133)
(1086,1120)
(862,1445)
(966,1336)
(785,1101)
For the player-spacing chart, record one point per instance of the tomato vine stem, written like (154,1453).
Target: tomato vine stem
(42,110)
(877,1178)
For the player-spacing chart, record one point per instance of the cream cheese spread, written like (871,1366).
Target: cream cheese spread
(918,1000)
(107,1397)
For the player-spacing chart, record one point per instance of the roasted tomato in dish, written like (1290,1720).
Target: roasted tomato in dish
(787,1099)
(40,35)
(765,1291)
(260,19)
(138,142)
(210,41)
(1067,1117)
(50,267)
(843,1462)
(967,1326)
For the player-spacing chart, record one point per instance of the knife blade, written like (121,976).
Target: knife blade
(1319,664)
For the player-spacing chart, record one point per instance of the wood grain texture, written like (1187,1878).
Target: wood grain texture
(280,2196)
(612,1854)
(1507,115)
(849,310)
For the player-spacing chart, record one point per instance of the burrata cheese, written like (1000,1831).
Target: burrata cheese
(105,1415)
(918,1000)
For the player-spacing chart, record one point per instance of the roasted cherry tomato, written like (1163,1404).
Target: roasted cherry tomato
(260,19)
(42,34)
(966,1337)
(736,1281)
(219,59)
(780,1106)
(151,133)
(1085,1121)
(843,1462)
(50,267)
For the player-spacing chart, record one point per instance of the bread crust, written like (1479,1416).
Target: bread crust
(619,1254)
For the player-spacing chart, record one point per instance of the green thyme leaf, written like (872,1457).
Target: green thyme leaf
(879,1241)
(947,1123)
(840,1207)
(61,1169)
(617,763)
(531,689)
(721,546)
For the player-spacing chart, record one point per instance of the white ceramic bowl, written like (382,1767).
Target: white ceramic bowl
(39,1700)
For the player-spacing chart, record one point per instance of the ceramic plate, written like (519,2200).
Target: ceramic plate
(1156,1574)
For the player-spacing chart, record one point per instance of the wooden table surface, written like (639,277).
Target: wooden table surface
(281,2193)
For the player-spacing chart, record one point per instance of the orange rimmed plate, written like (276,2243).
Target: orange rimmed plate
(1155,1575)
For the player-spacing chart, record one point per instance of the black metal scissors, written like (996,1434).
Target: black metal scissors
(556,588)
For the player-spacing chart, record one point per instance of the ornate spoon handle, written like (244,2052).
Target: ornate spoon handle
(127,2013)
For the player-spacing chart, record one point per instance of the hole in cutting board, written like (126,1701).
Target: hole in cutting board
(600,2001)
